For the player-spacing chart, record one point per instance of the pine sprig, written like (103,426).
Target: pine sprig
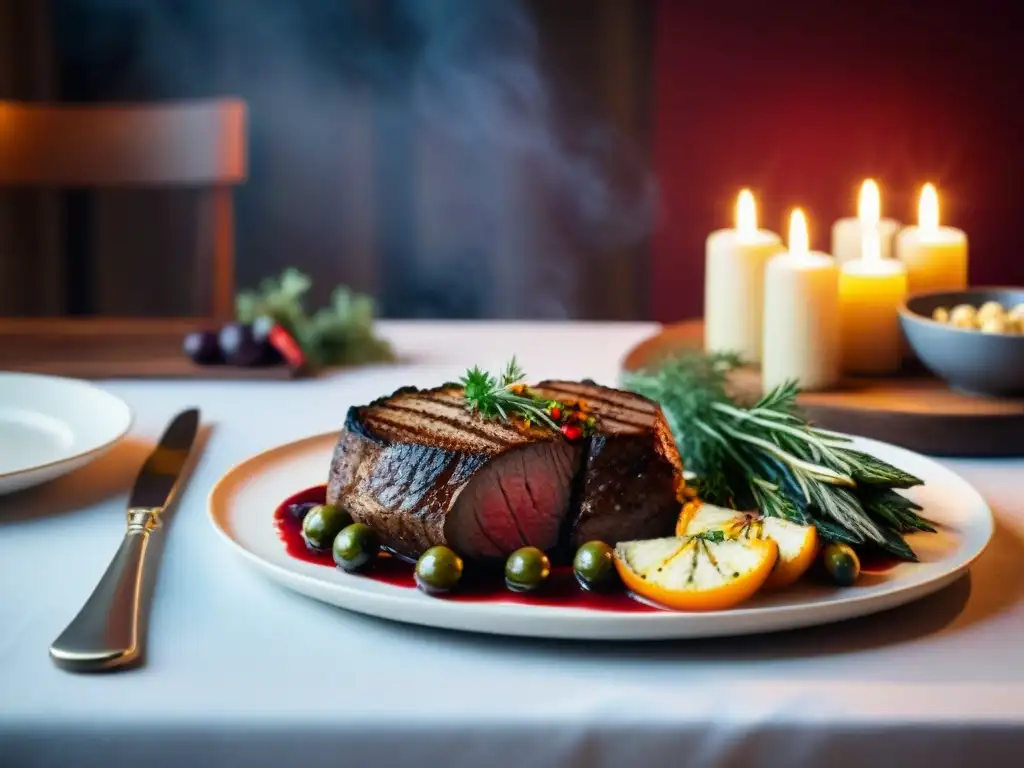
(768,457)
(342,333)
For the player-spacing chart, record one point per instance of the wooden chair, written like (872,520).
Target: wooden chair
(197,144)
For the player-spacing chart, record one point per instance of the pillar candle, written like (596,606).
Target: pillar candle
(734,283)
(871,290)
(935,257)
(848,234)
(801,315)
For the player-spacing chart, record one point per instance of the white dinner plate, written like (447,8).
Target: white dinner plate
(242,508)
(50,425)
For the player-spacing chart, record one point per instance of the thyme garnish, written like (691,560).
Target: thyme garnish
(504,396)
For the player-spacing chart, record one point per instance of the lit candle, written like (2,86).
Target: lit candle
(801,315)
(734,282)
(848,234)
(935,257)
(871,290)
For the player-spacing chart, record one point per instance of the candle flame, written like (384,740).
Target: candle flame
(798,240)
(928,209)
(746,214)
(869,206)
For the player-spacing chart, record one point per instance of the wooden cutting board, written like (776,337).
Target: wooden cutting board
(912,409)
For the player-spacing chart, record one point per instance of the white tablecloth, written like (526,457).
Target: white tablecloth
(242,672)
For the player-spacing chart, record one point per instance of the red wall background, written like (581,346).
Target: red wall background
(801,100)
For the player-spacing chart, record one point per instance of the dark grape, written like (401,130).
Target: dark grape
(261,328)
(203,348)
(239,345)
(298,511)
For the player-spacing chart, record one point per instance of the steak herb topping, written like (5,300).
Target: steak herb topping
(505,396)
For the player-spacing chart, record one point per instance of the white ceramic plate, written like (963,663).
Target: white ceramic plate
(51,425)
(242,507)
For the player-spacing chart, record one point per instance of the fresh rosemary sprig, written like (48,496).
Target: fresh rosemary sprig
(497,397)
(766,456)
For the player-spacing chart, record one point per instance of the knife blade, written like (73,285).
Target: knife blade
(105,633)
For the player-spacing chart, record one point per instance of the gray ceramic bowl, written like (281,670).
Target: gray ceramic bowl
(972,361)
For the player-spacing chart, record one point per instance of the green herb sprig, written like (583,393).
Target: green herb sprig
(714,537)
(503,396)
(766,456)
(341,333)
(495,397)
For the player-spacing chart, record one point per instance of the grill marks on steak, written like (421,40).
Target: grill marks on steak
(438,417)
(421,470)
(619,411)
(632,473)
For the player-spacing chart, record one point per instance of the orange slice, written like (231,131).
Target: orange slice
(798,544)
(695,573)
(686,514)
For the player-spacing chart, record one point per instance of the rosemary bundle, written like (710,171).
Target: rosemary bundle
(767,457)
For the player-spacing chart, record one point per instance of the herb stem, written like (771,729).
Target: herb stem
(816,470)
(724,444)
(819,447)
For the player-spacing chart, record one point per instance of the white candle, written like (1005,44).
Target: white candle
(935,257)
(848,234)
(734,283)
(871,290)
(801,315)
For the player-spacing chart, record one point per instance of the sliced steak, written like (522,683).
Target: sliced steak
(421,470)
(633,474)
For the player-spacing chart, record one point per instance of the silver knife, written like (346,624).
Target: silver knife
(105,633)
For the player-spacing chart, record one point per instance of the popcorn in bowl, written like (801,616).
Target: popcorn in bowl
(990,317)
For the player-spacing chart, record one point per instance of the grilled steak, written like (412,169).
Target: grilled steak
(632,471)
(420,470)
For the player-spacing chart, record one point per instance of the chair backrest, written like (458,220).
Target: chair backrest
(171,144)
(188,144)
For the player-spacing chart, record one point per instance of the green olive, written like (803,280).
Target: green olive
(438,570)
(842,564)
(526,569)
(322,523)
(355,546)
(594,566)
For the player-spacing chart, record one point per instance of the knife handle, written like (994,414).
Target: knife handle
(105,633)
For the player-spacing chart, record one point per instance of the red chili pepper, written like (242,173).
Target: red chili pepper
(556,413)
(571,432)
(284,343)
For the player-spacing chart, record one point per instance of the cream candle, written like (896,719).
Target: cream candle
(801,315)
(734,282)
(848,234)
(871,290)
(935,257)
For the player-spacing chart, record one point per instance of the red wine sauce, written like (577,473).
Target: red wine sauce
(478,584)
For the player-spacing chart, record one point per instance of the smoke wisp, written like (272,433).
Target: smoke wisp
(420,136)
